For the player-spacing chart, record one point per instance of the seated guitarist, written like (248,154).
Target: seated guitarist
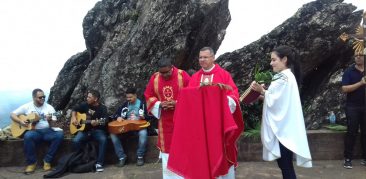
(96,113)
(132,109)
(42,131)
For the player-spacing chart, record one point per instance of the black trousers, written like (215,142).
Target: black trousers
(355,120)
(285,163)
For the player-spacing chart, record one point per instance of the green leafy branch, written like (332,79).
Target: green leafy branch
(264,77)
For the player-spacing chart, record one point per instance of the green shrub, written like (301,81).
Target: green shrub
(336,127)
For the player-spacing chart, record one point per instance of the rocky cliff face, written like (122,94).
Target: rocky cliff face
(125,38)
(313,30)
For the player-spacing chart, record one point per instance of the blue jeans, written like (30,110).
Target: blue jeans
(35,137)
(99,135)
(141,147)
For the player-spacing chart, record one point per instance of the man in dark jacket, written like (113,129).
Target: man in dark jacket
(132,109)
(96,116)
(353,84)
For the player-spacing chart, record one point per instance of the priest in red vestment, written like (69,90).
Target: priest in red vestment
(161,95)
(208,121)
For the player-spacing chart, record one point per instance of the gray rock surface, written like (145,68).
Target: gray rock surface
(313,30)
(125,38)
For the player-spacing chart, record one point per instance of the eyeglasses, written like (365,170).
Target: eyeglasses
(42,97)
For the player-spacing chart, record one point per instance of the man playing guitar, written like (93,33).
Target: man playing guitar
(95,112)
(41,132)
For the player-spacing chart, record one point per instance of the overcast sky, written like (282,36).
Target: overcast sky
(38,36)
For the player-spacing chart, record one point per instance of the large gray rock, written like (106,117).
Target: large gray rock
(125,38)
(313,30)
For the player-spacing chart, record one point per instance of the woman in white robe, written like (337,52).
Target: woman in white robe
(283,130)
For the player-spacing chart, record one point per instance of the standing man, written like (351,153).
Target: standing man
(132,109)
(228,123)
(42,132)
(96,114)
(353,84)
(161,94)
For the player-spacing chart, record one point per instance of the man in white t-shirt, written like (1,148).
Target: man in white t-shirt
(42,131)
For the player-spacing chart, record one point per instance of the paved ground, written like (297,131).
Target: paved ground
(330,169)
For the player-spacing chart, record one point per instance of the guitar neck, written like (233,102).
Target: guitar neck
(85,122)
(89,121)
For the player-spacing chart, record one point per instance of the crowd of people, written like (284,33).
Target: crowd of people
(210,99)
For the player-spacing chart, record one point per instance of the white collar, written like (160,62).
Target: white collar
(209,69)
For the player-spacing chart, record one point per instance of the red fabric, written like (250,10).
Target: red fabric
(250,96)
(223,76)
(160,89)
(205,134)
(220,76)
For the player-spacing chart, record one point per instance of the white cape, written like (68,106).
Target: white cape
(283,120)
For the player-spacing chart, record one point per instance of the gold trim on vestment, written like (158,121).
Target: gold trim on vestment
(156,85)
(180,79)
(161,134)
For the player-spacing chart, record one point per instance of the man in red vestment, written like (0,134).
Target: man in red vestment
(219,155)
(161,94)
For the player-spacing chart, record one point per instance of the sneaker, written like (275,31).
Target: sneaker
(140,161)
(46,166)
(121,162)
(30,169)
(99,167)
(363,162)
(347,163)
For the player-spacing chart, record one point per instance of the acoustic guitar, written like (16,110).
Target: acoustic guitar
(17,130)
(116,127)
(81,118)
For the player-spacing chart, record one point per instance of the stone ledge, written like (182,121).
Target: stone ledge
(12,154)
(324,145)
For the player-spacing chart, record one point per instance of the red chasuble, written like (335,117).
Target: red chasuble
(216,75)
(159,89)
(205,134)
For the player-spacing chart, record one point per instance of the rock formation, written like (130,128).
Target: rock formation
(125,38)
(313,30)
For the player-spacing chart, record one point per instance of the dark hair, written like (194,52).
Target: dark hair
(165,62)
(35,91)
(292,60)
(95,93)
(131,90)
(212,52)
(191,71)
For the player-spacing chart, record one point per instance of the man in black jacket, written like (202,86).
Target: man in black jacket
(96,116)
